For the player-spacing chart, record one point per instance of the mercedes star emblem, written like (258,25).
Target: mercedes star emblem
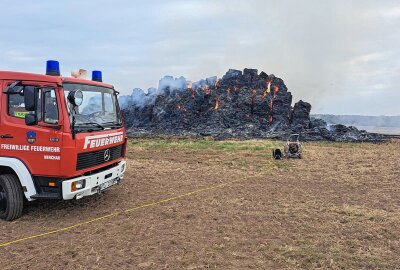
(107,155)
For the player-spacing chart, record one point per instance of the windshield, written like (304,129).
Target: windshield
(99,106)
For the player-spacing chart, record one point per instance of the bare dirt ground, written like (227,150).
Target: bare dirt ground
(338,208)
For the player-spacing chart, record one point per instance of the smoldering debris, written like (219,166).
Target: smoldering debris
(241,105)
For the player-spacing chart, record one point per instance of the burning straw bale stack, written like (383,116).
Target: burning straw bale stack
(240,105)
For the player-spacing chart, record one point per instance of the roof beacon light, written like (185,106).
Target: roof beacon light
(52,68)
(96,76)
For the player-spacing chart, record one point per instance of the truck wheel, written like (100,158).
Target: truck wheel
(11,197)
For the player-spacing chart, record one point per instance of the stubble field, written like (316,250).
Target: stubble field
(201,204)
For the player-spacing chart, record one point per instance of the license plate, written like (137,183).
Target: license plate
(108,184)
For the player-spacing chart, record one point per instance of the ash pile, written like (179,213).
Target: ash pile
(239,105)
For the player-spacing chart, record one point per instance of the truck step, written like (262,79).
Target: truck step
(47,196)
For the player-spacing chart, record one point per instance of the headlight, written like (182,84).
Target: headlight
(77,185)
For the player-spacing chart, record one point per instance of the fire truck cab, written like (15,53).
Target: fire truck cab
(60,138)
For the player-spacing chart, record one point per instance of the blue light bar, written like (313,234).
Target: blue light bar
(52,68)
(96,76)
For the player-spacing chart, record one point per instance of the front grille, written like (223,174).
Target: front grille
(91,159)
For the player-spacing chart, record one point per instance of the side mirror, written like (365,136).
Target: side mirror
(30,98)
(31,119)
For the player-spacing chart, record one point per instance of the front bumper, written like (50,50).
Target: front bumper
(93,182)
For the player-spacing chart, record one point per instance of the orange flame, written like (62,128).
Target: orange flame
(268,89)
(189,86)
(276,89)
(216,104)
(271,102)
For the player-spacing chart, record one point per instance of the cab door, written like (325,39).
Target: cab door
(37,145)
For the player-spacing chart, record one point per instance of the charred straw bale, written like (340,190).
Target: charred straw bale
(239,105)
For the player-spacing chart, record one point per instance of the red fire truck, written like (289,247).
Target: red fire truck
(60,138)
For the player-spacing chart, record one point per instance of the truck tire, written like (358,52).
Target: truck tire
(11,197)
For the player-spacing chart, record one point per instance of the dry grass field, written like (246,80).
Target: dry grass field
(337,208)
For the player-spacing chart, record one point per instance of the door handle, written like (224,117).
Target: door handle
(6,136)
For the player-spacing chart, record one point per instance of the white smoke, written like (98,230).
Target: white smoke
(138,98)
(169,83)
(210,81)
(166,85)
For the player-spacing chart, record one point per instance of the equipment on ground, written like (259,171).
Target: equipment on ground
(293,147)
(277,154)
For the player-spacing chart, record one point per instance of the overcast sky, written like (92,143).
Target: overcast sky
(341,56)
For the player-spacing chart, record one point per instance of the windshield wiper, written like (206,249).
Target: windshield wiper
(112,124)
(90,124)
